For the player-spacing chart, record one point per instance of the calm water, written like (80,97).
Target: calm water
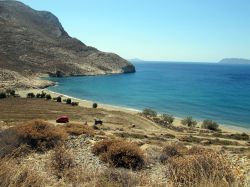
(204,91)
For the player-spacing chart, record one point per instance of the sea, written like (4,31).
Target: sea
(220,92)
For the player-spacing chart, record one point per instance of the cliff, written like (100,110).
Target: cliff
(34,43)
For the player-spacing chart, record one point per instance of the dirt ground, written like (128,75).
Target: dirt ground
(119,123)
(116,124)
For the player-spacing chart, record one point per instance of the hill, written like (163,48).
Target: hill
(33,43)
(234,61)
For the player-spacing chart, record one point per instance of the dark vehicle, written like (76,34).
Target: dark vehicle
(62,119)
(97,121)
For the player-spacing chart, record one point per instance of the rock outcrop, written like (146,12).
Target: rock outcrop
(34,42)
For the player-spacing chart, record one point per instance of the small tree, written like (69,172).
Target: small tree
(188,121)
(74,103)
(43,94)
(59,99)
(168,119)
(48,97)
(94,105)
(38,95)
(149,112)
(209,124)
(3,95)
(68,101)
(30,95)
(10,92)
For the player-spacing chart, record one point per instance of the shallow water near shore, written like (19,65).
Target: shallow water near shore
(203,90)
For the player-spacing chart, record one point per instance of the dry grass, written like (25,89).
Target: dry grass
(102,147)
(88,176)
(199,167)
(172,150)
(236,136)
(9,141)
(214,141)
(125,178)
(40,135)
(14,175)
(62,160)
(120,153)
(78,129)
(22,109)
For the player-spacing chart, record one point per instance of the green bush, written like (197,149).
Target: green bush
(94,105)
(74,103)
(188,121)
(209,124)
(43,94)
(167,119)
(3,95)
(59,99)
(149,112)
(68,101)
(48,97)
(10,92)
(38,95)
(30,95)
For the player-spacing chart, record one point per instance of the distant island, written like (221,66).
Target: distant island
(136,60)
(234,61)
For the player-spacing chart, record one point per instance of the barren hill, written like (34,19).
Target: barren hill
(34,43)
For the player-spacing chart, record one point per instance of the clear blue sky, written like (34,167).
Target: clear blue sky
(179,30)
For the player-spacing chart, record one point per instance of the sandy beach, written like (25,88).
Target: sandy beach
(82,102)
(88,104)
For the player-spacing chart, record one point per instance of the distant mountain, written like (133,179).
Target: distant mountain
(136,60)
(34,42)
(234,61)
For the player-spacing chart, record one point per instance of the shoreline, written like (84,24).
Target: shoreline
(82,102)
(89,103)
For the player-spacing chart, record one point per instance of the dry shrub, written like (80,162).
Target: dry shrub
(89,175)
(40,135)
(62,160)
(120,153)
(9,141)
(172,150)
(14,175)
(78,129)
(123,178)
(11,145)
(102,146)
(200,167)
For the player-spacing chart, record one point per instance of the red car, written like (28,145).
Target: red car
(62,119)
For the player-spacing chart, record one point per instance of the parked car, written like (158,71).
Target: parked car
(62,119)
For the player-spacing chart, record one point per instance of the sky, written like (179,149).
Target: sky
(171,30)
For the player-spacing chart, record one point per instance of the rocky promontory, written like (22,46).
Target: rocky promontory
(34,42)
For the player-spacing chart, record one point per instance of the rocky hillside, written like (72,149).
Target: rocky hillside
(34,43)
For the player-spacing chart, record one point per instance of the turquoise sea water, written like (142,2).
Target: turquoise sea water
(202,90)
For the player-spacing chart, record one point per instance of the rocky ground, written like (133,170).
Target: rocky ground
(13,80)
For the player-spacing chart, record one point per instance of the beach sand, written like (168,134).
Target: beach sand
(88,104)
